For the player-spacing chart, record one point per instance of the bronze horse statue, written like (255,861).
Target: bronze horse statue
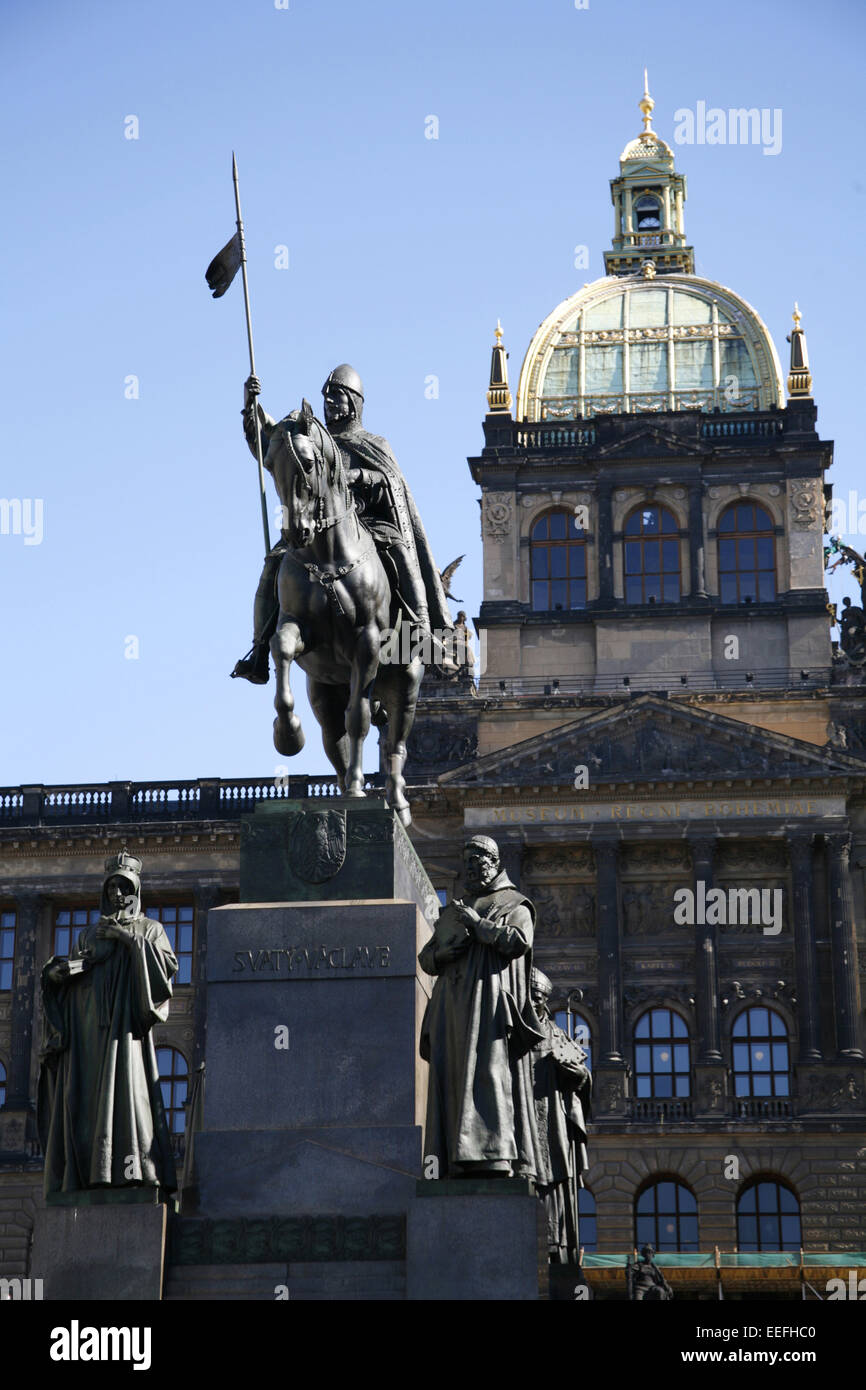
(335,607)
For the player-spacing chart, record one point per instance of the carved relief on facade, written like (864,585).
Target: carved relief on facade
(565,859)
(648,909)
(806,498)
(748,910)
(564,909)
(646,859)
(751,857)
(497,514)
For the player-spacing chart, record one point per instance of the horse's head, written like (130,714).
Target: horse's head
(317,492)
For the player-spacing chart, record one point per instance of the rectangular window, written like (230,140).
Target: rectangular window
(177,919)
(7,948)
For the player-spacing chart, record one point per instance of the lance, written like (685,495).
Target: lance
(243,252)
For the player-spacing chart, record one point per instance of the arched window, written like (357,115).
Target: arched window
(173,1082)
(647,213)
(2,1085)
(587,1226)
(768,1217)
(652,556)
(661,1055)
(760,1048)
(666,1216)
(747,554)
(577,1027)
(557,563)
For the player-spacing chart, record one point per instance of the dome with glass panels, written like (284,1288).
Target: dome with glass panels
(630,343)
(651,335)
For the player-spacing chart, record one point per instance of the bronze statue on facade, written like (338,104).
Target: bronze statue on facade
(644,1281)
(100,1110)
(480,1027)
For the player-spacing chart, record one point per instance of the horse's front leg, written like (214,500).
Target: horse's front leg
(364,667)
(286,644)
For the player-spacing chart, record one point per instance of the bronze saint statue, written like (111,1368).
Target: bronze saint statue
(562,1102)
(100,1110)
(644,1281)
(479,1027)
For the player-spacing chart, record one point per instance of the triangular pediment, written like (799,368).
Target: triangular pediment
(649,441)
(650,740)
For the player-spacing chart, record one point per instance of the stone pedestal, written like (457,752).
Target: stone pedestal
(314,1094)
(111,1250)
(476,1240)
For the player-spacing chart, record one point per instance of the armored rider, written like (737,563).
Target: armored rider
(388,511)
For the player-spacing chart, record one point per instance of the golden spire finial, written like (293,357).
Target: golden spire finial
(498,395)
(799,376)
(646,104)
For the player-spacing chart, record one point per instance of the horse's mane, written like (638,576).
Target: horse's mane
(303,421)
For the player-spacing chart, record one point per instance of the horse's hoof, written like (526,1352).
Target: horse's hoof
(355,791)
(288,736)
(404,816)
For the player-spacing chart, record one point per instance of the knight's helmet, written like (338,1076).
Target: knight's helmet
(348,380)
(123,865)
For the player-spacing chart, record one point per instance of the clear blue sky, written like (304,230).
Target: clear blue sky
(403,253)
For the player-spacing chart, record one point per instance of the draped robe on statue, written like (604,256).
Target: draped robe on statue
(100,1111)
(477,1034)
(562,1089)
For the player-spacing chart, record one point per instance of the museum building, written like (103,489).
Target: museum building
(662,738)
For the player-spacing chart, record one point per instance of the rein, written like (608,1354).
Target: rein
(329,577)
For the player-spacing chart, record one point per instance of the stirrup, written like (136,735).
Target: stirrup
(254,667)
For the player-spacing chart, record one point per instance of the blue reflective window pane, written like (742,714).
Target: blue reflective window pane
(678,1027)
(7,943)
(539,530)
(791,1237)
(577,560)
(782,1086)
(577,593)
(662,1057)
(748,1233)
(728,589)
(682,1086)
(741,1085)
(651,557)
(642,1026)
(762,1085)
(759,1022)
(632,525)
(6,975)
(557,526)
(184,971)
(539,563)
(777,1024)
(765,553)
(766,587)
(652,588)
(768,1196)
(558,562)
(666,1196)
(787,1200)
(670,555)
(642,1057)
(650,521)
(745,516)
(746,554)
(633,591)
(739,1027)
(661,1023)
(681,1056)
(748,1199)
(539,596)
(780,1056)
(760,1057)
(632,557)
(186,938)
(762,519)
(726,522)
(558,594)
(671,588)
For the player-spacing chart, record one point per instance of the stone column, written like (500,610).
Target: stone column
(844,948)
(706,959)
(604,550)
(697,570)
(805,954)
(609,963)
(206,897)
(28,907)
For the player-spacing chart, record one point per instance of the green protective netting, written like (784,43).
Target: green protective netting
(834,1258)
(760,1259)
(693,1261)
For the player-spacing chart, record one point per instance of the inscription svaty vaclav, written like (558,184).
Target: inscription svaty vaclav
(289,958)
